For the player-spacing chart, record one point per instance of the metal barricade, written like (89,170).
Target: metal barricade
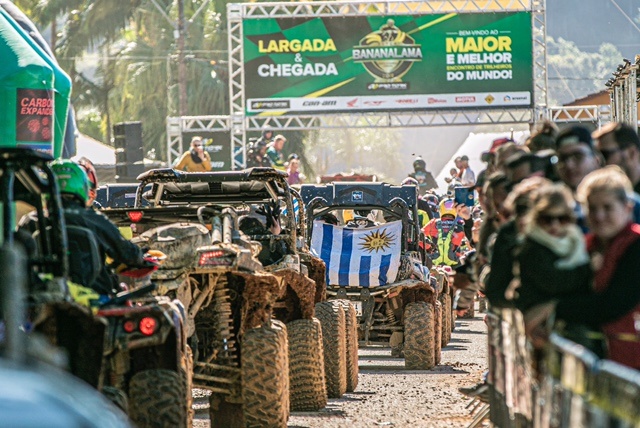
(616,396)
(566,386)
(511,382)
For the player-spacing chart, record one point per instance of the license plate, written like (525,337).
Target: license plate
(358,307)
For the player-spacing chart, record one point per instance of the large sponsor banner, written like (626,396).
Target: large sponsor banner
(400,62)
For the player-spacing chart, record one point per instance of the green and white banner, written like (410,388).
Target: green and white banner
(399,62)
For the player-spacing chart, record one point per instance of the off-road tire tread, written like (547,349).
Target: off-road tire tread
(331,316)
(158,398)
(307,388)
(437,338)
(265,376)
(351,335)
(419,335)
(445,300)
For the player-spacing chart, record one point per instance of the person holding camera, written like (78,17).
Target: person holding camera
(196,159)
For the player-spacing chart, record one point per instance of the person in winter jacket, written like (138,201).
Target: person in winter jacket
(196,159)
(613,304)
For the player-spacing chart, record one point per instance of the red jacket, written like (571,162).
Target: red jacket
(623,333)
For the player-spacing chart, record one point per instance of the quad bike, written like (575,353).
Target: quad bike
(56,310)
(28,185)
(147,360)
(29,377)
(402,311)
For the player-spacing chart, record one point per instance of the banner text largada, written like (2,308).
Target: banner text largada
(388,62)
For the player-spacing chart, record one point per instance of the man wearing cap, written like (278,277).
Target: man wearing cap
(467,176)
(620,145)
(274,152)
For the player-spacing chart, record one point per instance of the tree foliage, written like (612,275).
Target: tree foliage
(574,73)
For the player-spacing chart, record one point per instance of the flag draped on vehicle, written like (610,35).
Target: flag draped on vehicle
(365,257)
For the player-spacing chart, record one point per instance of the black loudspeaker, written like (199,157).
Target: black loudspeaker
(127,139)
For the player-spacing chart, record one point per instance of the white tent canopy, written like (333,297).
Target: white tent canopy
(473,147)
(97,152)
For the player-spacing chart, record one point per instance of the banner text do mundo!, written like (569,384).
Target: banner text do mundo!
(398,62)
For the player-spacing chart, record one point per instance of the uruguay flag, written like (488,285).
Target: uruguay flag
(358,257)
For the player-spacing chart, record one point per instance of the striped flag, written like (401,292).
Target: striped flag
(296,209)
(358,257)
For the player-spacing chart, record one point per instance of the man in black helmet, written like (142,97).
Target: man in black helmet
(267,136)
(257,155)
(425,178)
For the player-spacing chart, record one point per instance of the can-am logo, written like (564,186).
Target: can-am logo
(466,99)
(357,196)
(432,100)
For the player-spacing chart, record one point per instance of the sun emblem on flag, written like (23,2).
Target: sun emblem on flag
(377,240)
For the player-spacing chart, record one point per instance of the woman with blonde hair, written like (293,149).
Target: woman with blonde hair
(553,259)
(613,304)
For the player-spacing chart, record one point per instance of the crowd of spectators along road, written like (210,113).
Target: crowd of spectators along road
(557,237)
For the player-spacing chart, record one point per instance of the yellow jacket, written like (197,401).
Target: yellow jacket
(186,163)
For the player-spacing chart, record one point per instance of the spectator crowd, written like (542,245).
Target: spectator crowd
(553,233)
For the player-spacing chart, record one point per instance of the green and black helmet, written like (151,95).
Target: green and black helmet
(71,178)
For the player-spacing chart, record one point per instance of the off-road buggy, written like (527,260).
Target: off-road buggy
(375,261)
(233,303)
(100,350)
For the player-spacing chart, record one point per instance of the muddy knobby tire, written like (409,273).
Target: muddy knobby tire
(482,305)
(437,337)
(419,336)
(351,336)
(265,376)
(331,316)
(158,398)
(445,300)
(307,389)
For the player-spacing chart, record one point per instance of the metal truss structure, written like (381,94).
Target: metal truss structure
(596,114)
(623,91)
(239,123)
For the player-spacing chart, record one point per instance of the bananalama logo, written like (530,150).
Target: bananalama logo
(387,54)
(432,100)
(466,99)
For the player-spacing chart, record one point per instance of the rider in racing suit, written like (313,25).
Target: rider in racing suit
(74,189)
(444,235)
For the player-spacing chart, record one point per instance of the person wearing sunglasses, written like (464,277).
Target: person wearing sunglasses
(612,304)
(576,155)
(196,159)
(553,260)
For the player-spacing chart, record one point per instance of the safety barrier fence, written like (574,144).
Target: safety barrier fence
(564,385)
